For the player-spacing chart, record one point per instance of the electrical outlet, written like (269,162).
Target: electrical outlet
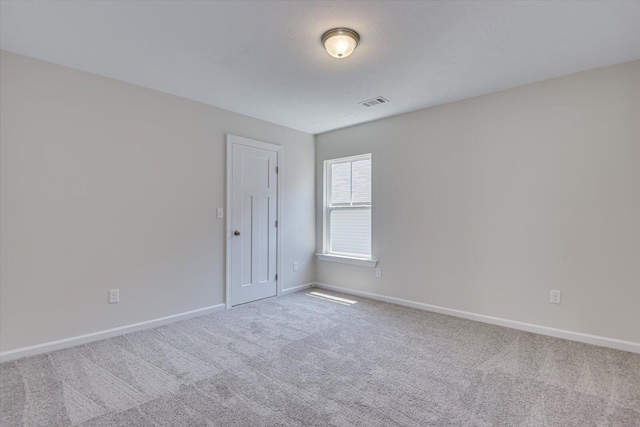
(114,296)
(295,265)
(220,213)
(378,272)
(555,297)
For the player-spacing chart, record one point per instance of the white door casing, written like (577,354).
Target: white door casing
(253,195)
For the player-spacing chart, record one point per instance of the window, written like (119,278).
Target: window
(347,212)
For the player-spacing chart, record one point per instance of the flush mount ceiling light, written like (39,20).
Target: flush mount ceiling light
(340,42)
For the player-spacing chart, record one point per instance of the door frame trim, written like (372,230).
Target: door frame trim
(231,140)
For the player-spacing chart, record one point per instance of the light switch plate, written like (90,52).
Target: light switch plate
(220,213)
(114,296)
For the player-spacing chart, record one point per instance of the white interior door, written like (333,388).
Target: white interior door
(253,220)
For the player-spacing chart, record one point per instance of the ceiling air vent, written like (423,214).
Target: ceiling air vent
(374,101)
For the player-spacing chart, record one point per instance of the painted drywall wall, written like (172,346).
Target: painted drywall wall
(108,185)
(487,204)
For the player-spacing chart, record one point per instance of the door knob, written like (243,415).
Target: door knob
(237,233)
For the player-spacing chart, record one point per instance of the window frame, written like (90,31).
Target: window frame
(328,208)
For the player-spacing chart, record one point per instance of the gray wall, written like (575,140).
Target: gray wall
(487,204)
(482,205)
(108,185)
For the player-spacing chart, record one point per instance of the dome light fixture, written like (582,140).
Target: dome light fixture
(340,42)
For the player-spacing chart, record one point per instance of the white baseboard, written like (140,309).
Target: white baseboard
(542,330)
(297,288)
(100,335)
(617,344)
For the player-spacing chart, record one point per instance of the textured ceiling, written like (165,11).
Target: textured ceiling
(264,58)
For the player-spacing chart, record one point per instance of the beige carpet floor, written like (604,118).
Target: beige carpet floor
(304,360)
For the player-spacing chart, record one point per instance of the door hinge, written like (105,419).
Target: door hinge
(277,169)
(276,277)
(276,223)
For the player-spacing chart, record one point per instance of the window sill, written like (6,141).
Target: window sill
(363,262)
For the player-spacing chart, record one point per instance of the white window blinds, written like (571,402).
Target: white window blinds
(350,232)
(348,206)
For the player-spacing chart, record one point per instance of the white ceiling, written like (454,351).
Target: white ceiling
(264,58)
